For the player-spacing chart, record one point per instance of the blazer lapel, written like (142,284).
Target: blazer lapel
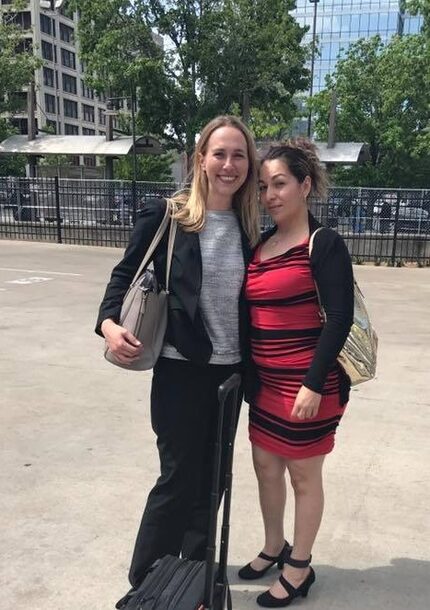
(186,271)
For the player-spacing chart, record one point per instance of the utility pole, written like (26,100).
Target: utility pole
(110,112)
(314,28)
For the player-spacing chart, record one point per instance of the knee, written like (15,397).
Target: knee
(268,471)
(304,482)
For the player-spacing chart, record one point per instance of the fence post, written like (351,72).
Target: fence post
(396,223)
(57,209)
(134,202)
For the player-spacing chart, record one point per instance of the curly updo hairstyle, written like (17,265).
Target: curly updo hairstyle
(301,158)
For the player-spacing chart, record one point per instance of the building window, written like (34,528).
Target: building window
(48,77)
(102,116)
(90,161)
(47,52)
(68,59)
(25,46)
(102,97)
(71,130)
(51,126)
(88,113)
(21,19)
(86,131)
(69,84)
(67,33)
(87,91)
(50,105)
(46,24)
(71,109)
(102,133)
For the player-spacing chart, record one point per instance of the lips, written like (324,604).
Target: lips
(227,179)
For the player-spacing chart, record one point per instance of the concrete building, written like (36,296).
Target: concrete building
(65,105)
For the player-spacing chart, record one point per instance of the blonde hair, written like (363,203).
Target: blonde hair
(190,205)
(301,157)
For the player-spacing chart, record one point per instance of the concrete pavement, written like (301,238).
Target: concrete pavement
(78,455)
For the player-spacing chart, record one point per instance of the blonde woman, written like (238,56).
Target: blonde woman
(206,338)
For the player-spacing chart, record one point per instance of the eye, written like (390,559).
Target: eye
(262,188)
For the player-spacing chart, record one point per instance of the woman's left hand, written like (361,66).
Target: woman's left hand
(307,404)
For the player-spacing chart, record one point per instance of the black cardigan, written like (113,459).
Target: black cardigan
(332,271)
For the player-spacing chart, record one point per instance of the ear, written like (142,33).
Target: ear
(306,186)
(202,161)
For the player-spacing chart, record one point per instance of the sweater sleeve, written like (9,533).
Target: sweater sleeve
(334,278)
(147,223)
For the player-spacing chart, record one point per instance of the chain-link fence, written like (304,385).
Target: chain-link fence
(378,225)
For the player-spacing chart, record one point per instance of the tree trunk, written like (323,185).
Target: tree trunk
(246,109)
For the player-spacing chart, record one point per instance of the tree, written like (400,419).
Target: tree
(218,55)
(150,168)
(17,66)
(420,7)
(257,59)
(383,100)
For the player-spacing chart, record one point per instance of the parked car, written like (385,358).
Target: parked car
(413,219)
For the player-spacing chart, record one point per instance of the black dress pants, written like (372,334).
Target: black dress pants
(184,415)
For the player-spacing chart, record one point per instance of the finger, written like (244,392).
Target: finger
(131,339)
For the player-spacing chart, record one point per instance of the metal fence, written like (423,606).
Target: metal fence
(378,225)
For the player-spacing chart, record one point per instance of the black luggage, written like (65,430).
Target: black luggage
(173,583)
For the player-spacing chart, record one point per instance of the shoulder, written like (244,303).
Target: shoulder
(154,207)
(327,244)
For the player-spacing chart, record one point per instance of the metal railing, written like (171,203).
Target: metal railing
(378,225)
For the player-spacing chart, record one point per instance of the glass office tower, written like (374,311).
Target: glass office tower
(341,22)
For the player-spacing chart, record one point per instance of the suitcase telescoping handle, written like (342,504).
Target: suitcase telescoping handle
(230,388)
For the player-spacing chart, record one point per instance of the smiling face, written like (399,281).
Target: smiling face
(225,162)
(283,196)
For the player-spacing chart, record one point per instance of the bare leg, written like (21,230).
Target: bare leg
(270,471)
(306,479)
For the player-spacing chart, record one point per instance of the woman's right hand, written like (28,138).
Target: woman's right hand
(121,342)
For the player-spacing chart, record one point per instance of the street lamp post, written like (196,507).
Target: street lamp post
(314,27)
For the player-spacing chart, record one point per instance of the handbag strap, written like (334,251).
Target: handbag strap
(156,240)
(323,314)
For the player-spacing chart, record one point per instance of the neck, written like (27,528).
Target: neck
(217,202)
(294,226)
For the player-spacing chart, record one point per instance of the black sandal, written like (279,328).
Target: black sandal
(249,573)
(267,600)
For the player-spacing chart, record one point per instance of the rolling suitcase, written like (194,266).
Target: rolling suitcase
(173,583)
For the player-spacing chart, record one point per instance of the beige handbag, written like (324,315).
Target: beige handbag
(144,309)
(358,355)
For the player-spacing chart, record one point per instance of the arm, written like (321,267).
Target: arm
(334,278)
(147,223)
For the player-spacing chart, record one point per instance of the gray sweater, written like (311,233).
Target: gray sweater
(222,278)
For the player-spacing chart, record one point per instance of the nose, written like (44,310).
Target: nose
(270,193)
(228,162)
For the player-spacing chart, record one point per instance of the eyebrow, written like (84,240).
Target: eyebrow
(221,149)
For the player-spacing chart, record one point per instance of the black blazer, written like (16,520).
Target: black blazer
(185,327)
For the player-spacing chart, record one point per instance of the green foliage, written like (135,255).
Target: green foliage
(56,160)
(150,168)
(10,165)
(16,70)
(383,100)
(255,58)
(217,55)
(16,65)
(420,7)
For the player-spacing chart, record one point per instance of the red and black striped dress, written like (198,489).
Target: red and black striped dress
(285,329)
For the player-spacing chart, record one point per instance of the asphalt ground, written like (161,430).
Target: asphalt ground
(78,455)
